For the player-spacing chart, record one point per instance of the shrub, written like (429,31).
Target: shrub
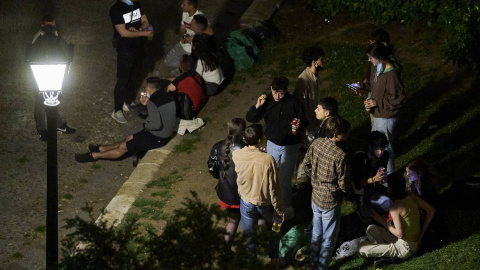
(192,239)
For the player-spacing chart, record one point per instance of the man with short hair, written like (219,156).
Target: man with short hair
(326,108)
(259,190)
(327,165)
(306,86)
(47,27)
(157,127)
(189,8)
(130,27)
(279,110)
(189,82)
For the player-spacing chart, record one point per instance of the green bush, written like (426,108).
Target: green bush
(459,18)
(192,239)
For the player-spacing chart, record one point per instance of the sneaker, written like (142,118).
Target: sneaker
(386,261)
(84,158)
(125,107)
(94,148)
(42,134)
(66,129)
(119,117)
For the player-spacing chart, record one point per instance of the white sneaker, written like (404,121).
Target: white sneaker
(119,117)
(125,107)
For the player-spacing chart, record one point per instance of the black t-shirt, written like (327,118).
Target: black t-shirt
(131,16)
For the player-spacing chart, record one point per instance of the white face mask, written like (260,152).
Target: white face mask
(379,68)
(412,176)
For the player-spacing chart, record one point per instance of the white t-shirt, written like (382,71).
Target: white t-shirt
(214,76)
(186,20)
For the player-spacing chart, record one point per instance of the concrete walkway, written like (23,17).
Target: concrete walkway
(143,173)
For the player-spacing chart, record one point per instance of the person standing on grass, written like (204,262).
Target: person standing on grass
(260,193)
(402,238)
(279,110)
(328,166)
(227,188)
(306,86)
(157,130)
(387,96)
(326,108)
(130,27)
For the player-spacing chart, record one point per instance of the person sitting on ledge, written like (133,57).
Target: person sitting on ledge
(158,127)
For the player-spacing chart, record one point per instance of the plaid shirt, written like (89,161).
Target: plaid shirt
(328,167)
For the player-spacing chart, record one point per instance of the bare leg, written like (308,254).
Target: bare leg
(104,148)
(261,222)
(232,226)
(114,153)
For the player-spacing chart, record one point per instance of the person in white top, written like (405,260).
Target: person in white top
(207,63)
(189,8)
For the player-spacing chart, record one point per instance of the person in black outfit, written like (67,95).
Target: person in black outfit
(368,179)
(130,26)
(226,188)
(279,110)
(47,28)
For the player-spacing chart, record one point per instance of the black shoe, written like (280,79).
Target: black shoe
(42,134)
(386,261)
(94,148)
(84,158)
(66,129)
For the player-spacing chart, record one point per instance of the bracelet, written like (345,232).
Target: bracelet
(373,180)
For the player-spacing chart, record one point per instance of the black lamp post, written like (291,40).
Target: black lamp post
(49,59)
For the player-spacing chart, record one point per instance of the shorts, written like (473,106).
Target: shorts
(227,206)
(143,141)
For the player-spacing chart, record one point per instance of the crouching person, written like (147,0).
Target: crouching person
(258,187)
(401,238)
(157,128)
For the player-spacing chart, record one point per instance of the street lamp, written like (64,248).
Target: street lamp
(49,58)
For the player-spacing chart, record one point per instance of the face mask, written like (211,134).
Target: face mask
(413,176)
(148,95)
(128,2)
(379,68)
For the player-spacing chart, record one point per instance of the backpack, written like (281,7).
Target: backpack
(242,50)
(184,105)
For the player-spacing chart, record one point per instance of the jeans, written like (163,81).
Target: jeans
(40,115)
(285,158)
(172,59)
(326,225)
(250,215)
(129,69)
(387,126)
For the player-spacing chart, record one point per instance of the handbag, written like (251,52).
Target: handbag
(213,163)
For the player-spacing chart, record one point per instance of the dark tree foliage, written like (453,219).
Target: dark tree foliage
(192,239)
(459,18)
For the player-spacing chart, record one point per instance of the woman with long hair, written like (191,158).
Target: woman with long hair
(226,188)
(387,95)
(207,64)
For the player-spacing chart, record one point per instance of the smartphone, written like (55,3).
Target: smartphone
(354,86)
